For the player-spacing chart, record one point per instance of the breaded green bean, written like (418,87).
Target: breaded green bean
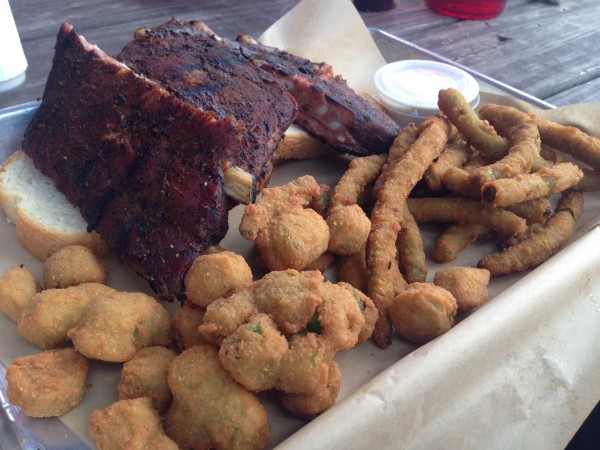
(361,171)
(457,238)
(590,181)
(462,182)
(536,210)
(401,144)
(570,140)
(544,182)
(524,151)
(387,216)
(542,243)
(477,131)
(411,253)
(454,155)
(461,210)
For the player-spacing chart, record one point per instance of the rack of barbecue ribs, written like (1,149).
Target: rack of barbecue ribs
(143,143)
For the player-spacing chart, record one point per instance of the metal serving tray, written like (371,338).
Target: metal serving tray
(364,368)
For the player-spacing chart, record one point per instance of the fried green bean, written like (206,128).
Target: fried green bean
(570,140)
(477,131)
(361,171)
(411,253)
(402,143)
(387,216)
(542,243)
(590,181)
(454,155)
(544,182)
(536,210)
(457,238)
(461,210)
(524,150)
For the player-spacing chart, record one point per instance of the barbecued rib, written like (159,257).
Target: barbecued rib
(210,74)
(327,107)
(144,167)
(191,61)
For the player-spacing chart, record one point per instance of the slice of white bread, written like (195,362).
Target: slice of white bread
(298,144)
(45,221)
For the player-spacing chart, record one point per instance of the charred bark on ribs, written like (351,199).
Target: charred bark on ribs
(144,167)
(140,148)
(184,57)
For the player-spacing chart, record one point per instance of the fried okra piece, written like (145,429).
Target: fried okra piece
(131,423)
(309,406)
(340,319)
(273,201)
(186,320)
(115,327)
(349,229)
(542,243)
(305,367)
(225,315)
(51,313)
(468,285)
(73,265)
(368,310)
(209,408)
(289,297)
(214,275)
(423,312)
(292,239)
(17,287)
(145,375)
(252,354)
(47,384)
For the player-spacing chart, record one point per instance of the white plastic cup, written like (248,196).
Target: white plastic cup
(12,58)
(408,89)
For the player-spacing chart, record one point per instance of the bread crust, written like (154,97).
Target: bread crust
(38,238)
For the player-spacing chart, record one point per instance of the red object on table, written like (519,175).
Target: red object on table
(468,9)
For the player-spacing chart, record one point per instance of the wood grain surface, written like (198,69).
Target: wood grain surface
(549,51)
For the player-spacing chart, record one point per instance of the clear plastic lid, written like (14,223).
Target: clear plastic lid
(411,87)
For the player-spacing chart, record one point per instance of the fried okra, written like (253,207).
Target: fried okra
(116,326)
(186,320)
(423,312)
(349,229)
(214,275)
(51,313)
(293,239)
(131,423)
(145,375)
(468,285)
(17,287)
(47,384)
(209,408)
(283,331)
(73,265)
(308,406)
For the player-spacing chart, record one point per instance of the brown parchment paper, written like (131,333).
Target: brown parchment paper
(521,371)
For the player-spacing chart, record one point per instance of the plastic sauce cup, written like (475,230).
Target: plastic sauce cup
(408,89)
